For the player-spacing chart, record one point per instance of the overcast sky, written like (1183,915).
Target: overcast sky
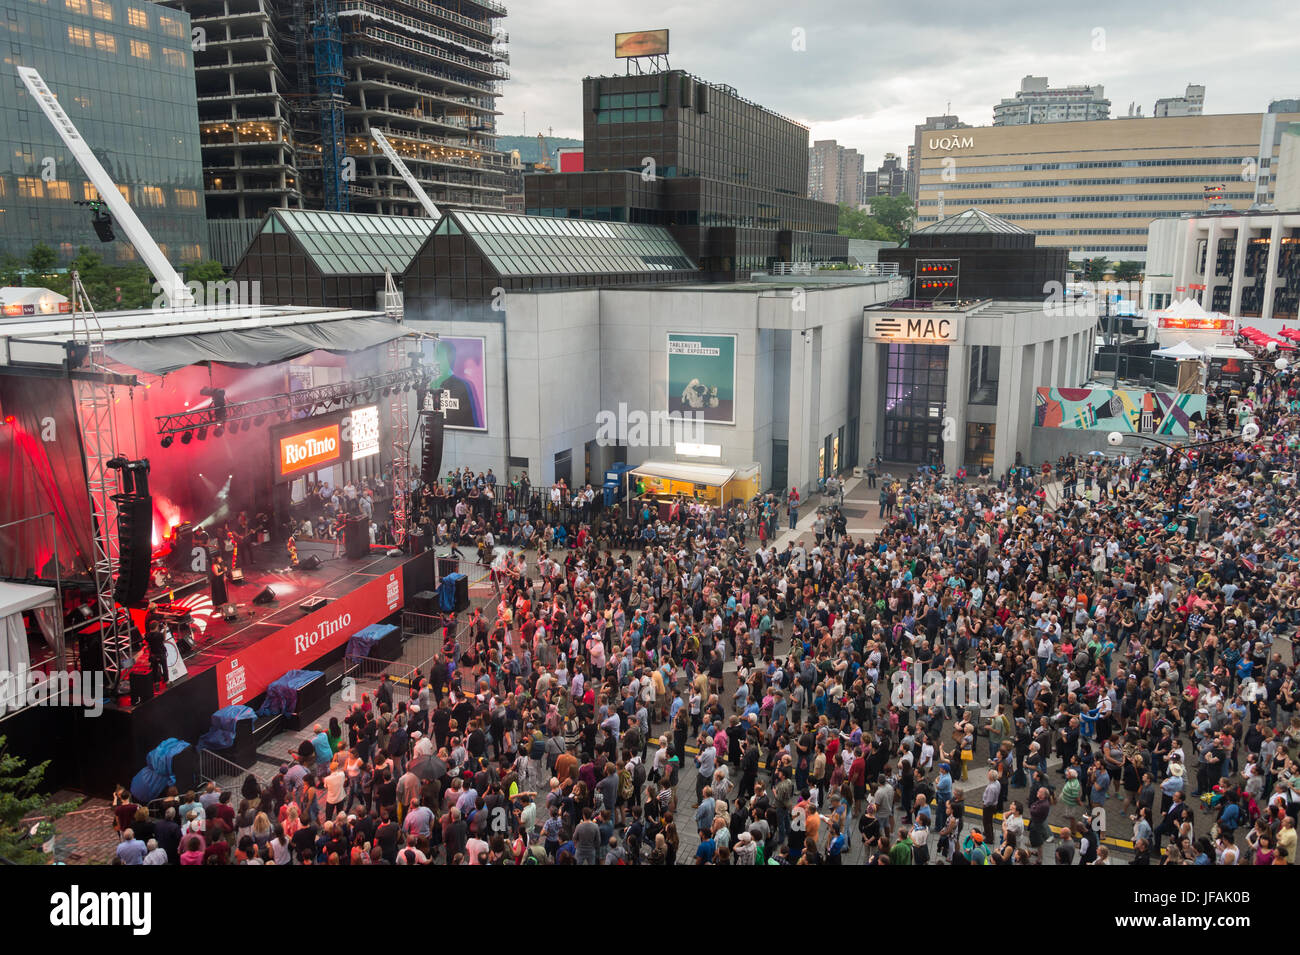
(871,71)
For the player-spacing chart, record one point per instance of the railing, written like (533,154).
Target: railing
(224,773)
(808,268)
(420,26)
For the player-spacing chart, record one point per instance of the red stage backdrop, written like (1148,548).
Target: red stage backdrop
(242,677)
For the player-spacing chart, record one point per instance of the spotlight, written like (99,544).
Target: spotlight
(187,437)
(386,391)
(220,430)
(167,441)
(203,433)
(260,420)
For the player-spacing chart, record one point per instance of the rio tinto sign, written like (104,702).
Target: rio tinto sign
(309,450)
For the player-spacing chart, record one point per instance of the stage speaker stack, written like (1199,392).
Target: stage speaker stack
(310,562)
(425,602)
(312,604)
(134,533)
(141,687)
(447,566)
(229,612)
(182,546)
(356,537)
(431,446)
(267,596)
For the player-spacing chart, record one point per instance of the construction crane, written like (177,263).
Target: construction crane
(329,103)
(405,173)
(544,165)
(169,281)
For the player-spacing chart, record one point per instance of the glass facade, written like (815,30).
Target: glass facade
(914,402)
(124,72)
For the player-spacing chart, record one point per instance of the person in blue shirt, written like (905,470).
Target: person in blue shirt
(836,846)
(708,846)
(321,743)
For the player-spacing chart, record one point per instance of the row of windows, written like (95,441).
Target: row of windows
(134,16)
(620,100)
(645,114)
(1155,197)
(1038,216)
(1092,164)
(1051,183)
(146,197)
(107,43)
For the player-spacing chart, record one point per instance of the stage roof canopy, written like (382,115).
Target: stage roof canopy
(163,340)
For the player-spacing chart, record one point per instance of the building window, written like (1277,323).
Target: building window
(137,18)
(77,6)
(171,26)
(79,36)
(105,42)
(101,10)
(29,187)
(140,50)
(979,445)
(173,57)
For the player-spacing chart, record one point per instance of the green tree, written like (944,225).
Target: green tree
(856,224)
(11,271)
(20,796)
(895,213)
(1128,270)
(1094,270)
(205,272)
(42,259)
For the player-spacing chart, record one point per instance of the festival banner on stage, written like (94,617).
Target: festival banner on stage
(242,677)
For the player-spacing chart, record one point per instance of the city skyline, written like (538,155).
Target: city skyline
(906,66)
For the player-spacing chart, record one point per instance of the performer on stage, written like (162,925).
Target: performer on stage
(292,545)
(220,595)
(156,641)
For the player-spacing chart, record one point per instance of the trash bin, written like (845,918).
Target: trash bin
(1088,725)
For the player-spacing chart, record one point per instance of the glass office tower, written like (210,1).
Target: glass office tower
(124,72)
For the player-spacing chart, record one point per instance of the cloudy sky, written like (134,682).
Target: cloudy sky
(871,71)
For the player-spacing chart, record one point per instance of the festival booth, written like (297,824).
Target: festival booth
(15,600)
(1187,321)
(661,483)
(1190,370)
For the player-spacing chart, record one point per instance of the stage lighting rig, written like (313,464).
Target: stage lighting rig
(100,219)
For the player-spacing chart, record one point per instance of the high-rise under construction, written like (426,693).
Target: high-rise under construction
(289,90)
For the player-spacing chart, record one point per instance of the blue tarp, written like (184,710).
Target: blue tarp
(361,642)
(157,775)
(222,733)
(282,695)
(447,592)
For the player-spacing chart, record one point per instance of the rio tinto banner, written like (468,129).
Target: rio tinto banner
(309,450)
(243,676)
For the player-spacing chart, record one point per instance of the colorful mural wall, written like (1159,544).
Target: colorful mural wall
(1101,409)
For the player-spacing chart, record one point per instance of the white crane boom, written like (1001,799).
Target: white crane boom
(170,282)
(405,173)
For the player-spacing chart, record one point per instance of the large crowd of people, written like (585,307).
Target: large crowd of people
(683,689)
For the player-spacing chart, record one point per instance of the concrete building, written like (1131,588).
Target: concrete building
(888,180)
(1191,103)
(727,176)
(1241,264)
(835,173)
(1094,187)
(124,72)
(281,92)
(1036,102)
(955,383)
(931,124)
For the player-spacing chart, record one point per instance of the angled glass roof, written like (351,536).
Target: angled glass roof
(972,221)
(352,243)
(540,245)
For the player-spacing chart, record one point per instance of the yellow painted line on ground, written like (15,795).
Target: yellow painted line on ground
(1056,830)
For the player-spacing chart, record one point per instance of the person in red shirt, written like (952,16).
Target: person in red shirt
(858,778)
